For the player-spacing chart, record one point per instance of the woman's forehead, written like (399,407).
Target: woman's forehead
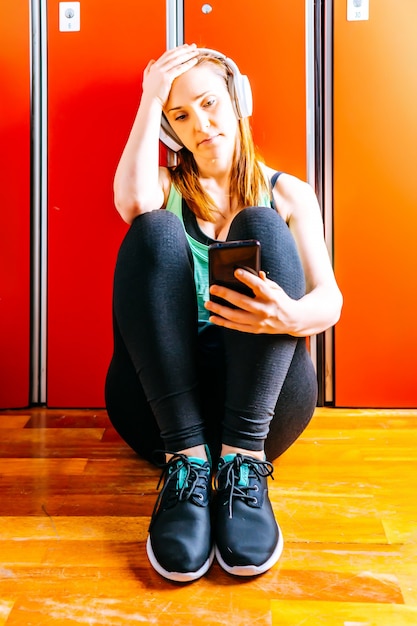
(195,82)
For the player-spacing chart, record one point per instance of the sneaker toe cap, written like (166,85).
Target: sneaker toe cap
(179,546)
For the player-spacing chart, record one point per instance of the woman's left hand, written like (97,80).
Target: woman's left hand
(271,311)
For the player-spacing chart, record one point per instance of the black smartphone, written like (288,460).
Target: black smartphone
(227,256)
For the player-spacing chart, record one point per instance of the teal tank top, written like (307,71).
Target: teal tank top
(199,252)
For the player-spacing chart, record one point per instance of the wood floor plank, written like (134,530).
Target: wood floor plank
(77,505)
(135,579)
(15,553)
(41,437)
(402,529)
(406,569)
(45,442)
(346,614)
(78,610)
(384,562)
(6,607)
(73,528)
(8,421)
(357,419)
(43,418)
(41,467)
(309,514)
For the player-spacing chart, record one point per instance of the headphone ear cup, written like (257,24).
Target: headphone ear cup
(241,94)
(168,136)
(237,83)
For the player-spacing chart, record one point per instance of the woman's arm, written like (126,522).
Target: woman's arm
(320,308)
(272,311)
(139,184)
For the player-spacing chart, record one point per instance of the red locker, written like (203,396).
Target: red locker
(14,205)
(267,41)
(94,85)
(375,200)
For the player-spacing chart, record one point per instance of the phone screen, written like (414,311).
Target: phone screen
(226,257)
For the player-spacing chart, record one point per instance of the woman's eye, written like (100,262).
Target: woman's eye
(210,102)
(180,117)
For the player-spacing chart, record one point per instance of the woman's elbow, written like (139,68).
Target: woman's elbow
(338,306)
(129,205)
(127,210)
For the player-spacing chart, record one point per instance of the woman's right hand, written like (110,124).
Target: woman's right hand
(159,75)
(140,185)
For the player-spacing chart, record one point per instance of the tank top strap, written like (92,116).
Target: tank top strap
(274,179)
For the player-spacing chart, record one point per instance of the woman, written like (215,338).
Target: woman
(219,388)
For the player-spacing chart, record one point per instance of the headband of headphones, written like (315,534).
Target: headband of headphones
(240,93)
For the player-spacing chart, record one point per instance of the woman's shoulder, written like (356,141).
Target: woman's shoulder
(286,181)
(292,195)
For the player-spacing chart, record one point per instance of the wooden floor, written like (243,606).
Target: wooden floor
(75,505)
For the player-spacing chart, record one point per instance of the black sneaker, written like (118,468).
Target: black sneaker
(179,544)
(247,536)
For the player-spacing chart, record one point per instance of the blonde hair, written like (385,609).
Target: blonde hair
(247,181)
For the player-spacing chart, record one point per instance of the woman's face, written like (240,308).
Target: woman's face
(200,111)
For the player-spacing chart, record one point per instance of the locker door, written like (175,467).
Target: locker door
(375,200)
(14,205)
(94,87)
(267,41)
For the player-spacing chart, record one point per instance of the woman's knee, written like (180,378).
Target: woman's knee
(279,254)
(157,226)
(154,234)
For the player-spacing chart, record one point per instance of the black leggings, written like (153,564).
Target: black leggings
(173,383)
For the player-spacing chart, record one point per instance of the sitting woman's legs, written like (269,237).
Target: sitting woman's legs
(168,383)
(271,394)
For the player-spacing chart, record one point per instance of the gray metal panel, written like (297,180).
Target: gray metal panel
(174,37)
(310,118)
(39,199)
(319,105)
(180,22)
(174,23)
(310,92)
(328,177)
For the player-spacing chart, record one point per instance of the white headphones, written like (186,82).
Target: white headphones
(240,93)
